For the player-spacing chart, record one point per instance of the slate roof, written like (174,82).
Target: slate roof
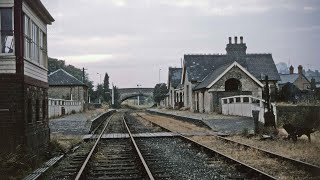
(199,66)
(62,78)
(175,76)
(288,78)
(212,76)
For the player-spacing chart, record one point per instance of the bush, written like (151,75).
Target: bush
(73,111)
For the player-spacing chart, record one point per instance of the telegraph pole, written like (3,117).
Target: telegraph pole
(159,75)
(139,85)
(112,101)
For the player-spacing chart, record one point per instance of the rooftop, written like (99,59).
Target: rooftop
(62,78)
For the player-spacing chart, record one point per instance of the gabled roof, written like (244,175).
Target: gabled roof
(291,78)
(259,65)
(62,78)
(217,74)
(174,78)
(288,78)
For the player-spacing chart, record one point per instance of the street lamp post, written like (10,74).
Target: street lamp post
(100,77)
(159,75)
(138,85)
(112,97)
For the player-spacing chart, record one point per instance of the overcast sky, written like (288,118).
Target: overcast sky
(133,39)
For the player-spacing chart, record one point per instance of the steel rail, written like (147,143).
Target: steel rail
(92,150)
(244,165)
(138,151)
(312,169)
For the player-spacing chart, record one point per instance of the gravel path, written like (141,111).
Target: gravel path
(75,124)
(217,122)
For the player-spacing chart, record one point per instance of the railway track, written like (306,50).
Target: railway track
(172,158)
(114,158)
(307,171)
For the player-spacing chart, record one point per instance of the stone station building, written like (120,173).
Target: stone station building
(174,96)
(23,76)
(63,85)
(207,78)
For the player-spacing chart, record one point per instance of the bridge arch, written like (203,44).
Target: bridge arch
(126,93)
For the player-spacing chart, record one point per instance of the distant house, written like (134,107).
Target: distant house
(208,78)
(174,79)
(297,79)
(63,85)
(314,78)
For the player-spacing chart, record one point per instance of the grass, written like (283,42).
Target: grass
(18,164)
(253,157)
(61,143)
(301,150)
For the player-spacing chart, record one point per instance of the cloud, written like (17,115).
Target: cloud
(86,58)
(138,37)
(309,8)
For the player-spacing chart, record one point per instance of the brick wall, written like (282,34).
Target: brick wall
(37,128)
(11,112)
(15,127)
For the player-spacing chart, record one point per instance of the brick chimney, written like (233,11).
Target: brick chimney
(291,69)
(236,49)
(300,69)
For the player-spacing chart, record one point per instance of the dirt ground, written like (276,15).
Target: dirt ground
(67,131)
(301,150)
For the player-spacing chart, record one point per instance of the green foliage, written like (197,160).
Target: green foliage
(160,91)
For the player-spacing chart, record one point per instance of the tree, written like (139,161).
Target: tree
(106,90)
(160,92)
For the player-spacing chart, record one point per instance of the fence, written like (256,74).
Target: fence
(243,105)
(58,107)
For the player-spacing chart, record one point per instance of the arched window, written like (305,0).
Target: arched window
(232,85)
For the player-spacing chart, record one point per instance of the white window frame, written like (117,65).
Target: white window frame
(37,44)
(12,14)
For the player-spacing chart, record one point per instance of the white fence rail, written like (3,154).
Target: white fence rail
(58,107)
(243,105)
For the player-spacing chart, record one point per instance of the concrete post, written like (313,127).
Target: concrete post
(112,98)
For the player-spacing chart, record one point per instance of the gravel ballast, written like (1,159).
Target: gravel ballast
(178,160)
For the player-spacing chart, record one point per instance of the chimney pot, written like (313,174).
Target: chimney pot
(230,41)
(300,69)
(241,39)
(235,39)
(291,69)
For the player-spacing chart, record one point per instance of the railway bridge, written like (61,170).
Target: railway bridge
(126,93)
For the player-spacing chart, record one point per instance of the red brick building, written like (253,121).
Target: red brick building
(23,75)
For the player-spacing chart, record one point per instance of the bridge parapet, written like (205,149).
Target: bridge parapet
(126,93)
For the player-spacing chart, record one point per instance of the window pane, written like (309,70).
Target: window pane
(6,19)
(6,30)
